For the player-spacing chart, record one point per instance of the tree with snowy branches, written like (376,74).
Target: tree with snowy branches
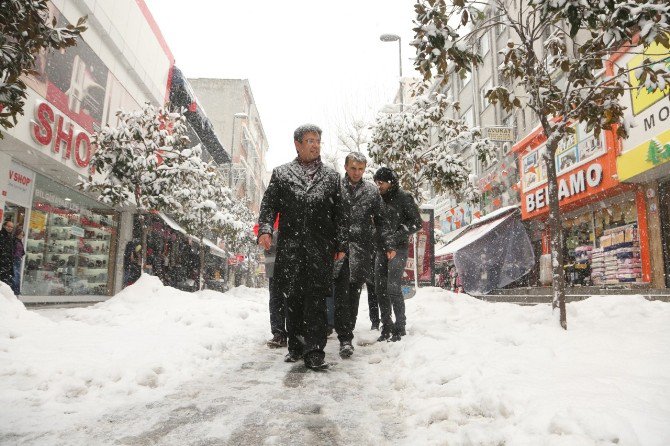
(25,31)
(141,162)
(203,202)
(572,37)
(237,233)
(428,147)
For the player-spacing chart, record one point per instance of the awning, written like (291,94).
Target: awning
(215,250)
(492,252)
(442,251)
(182,95)
(471,236)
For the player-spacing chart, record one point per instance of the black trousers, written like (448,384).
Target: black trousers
(347,297)
(306,314)
(373,303)
(388,286)
(277,311)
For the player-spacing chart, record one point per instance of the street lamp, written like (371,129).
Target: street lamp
(232,148)
(393,38)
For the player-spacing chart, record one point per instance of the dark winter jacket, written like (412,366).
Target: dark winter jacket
(7,246)
(366,220)
(402,217)
(313,224)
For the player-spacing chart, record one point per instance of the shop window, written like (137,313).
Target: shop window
(602,247)
(69,248)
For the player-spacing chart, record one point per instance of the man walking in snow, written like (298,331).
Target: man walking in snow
(313,231)
(403,219)
(357,267)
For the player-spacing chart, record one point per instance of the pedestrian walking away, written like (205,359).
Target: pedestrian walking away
(7,247)
(403,219)
(313,232)
(19,252)
(366,220)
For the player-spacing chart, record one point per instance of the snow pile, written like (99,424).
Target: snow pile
(478,373)
(467,373)
(138,346)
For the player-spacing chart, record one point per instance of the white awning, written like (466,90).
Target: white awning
(448,239)
(472,235)
(174,225)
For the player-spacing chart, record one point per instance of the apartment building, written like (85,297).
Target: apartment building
(231,108)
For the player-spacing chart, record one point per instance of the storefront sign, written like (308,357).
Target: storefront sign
(500,133)
(648,144)
(20,185)
(576,183)
(56,131)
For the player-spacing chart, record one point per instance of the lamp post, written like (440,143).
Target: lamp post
(393,38)
(232,147)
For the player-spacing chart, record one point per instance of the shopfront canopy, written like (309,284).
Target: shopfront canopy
(492,252)
(215,250)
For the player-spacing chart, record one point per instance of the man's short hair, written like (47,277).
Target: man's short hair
(355,156)
(305,128)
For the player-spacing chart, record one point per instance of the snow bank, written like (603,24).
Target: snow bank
(468,373)
(476,373)
(139,346)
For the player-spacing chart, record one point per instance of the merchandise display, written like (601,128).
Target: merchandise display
(69,244)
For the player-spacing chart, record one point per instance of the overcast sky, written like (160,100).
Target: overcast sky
(306,60)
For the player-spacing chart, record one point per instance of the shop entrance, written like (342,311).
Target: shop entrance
(664,204)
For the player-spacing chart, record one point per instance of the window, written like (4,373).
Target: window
(488,85)
(484,45)
(465,77)
(469,117)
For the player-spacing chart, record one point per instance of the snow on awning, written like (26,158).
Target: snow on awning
(472,236)
(442,250)
(215,250)
(171,223)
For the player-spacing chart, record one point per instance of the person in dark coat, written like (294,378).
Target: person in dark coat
(19,252)
(7,247)
(132,262)
(313,231)
(403,219)
(365,221)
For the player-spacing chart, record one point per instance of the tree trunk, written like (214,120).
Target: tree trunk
(145,232)
(416,260)
(556,228)
(201,275)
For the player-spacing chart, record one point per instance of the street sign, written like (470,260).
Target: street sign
(500,133)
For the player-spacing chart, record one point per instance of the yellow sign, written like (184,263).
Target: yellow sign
(38,221)
(643,99)
(644,157)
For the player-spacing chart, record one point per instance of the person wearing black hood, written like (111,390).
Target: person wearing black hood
(7,246)
(403,219)
(313,233)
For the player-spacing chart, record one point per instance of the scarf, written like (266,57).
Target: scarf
(310,168)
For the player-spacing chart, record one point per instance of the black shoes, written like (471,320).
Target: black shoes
(315,363)
(277,341)
(292,357)
(375,326)
(395,338)
(346,350)
(383,337)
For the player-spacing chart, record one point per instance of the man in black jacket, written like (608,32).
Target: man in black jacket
(313,231)
(7,245)
(357,267)
(403,219)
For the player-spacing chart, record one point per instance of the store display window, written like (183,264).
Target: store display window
(602,245)
(70,243)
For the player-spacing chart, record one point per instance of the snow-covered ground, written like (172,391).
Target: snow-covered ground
(155,365)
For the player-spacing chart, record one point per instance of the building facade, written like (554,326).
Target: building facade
(231,107)
(74,243)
